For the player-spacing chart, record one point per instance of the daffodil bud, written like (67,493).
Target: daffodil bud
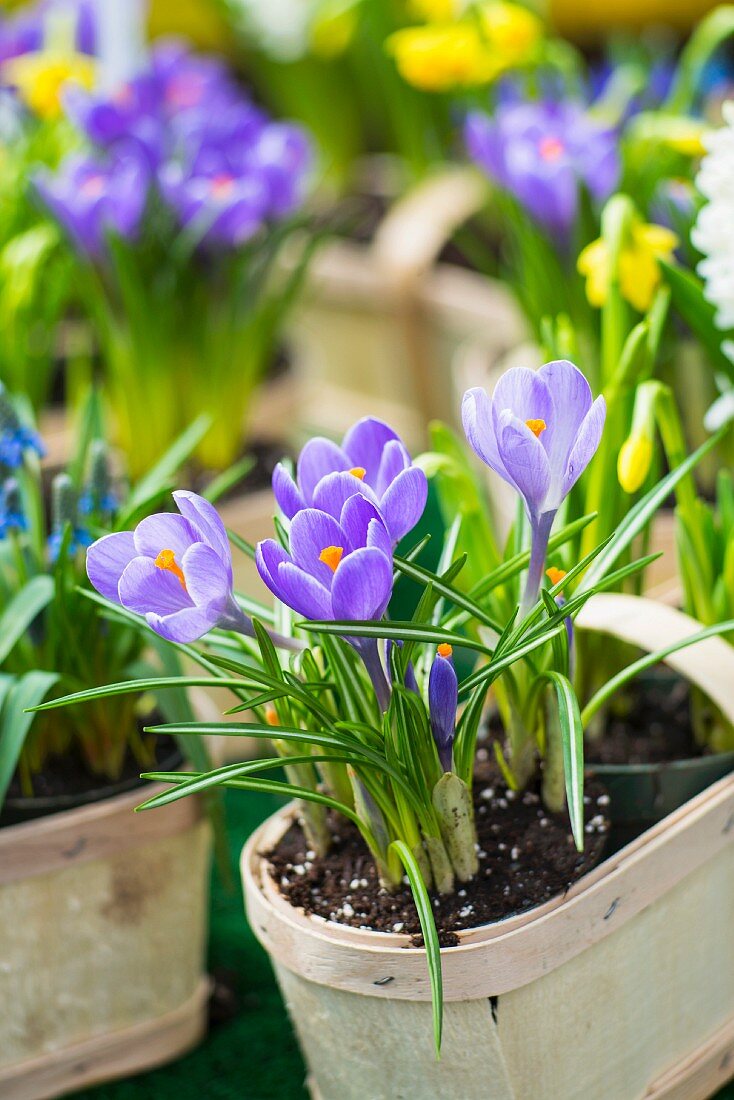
(633,464)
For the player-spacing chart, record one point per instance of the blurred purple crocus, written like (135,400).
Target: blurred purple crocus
(538,431)
(219,207)
(372,461)
(175,570)
(91,197)
(336,570)
(542,153)
(443,697)
(25,31)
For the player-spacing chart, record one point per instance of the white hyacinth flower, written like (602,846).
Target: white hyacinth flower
(713,233)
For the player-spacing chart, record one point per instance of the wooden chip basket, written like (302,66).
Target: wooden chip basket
(623,989)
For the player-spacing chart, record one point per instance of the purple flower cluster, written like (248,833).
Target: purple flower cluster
(348,507)
(182,130)
(542,154)
(24,31)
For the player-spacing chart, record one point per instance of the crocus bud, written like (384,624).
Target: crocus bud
(443,696)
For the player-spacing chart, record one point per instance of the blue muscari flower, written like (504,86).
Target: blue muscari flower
(15,438)
(80,540)
(12,516)
(91,503)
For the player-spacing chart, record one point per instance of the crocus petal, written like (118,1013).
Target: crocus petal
(318,458)
(362,585)
(356,520)
(207,523)
(404,502)
(144,587)
(311,532)
(586,443)
(334,490)
(303,592)
(395,459)
(269,554)
(525,393)
(476,416)
(187,625)
(164,531)
(208,581)
(443,694)
(525,460)
(572,399)
(286,492)
(107,559)
(365,443)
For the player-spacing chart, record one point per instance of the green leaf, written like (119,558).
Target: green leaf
(401,631)
(458,599)
(430,935)
(156,480)
(572,734)
(24,607)
(15,720)
(125,687)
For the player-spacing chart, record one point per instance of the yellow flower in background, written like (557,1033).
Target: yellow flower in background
(633,463)
(639,270)
(513,31)
(41,77)
(437,11)
(450,52)
(438,57)
(685,135)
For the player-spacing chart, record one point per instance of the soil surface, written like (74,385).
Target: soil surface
(649,724)
(67,775)
(526,856)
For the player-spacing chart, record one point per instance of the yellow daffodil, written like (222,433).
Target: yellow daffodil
(512,31)
(41,77)
(639,270)
(439,57)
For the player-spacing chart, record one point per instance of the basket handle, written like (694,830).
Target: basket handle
(651,625)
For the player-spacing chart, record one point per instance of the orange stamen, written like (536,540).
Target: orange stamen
(358,471)
(331,556)
(555,575)
(551,148)
(167,560)
(271,716)
(445,650)
(536,426)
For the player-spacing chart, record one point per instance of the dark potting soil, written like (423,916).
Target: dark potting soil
(649,724)
(526,856)
(67,775)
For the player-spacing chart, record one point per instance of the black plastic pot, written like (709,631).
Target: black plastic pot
(643,794)
(17,810)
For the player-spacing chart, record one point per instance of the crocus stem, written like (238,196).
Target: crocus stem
(541,529)
(370,654)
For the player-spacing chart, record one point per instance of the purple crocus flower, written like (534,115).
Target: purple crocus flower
(538,431)
(125,121)
(217,207)
(443,697)
(91,198)
(541,153)
(336,569)
(372,461)
(175,570)
(26,31)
